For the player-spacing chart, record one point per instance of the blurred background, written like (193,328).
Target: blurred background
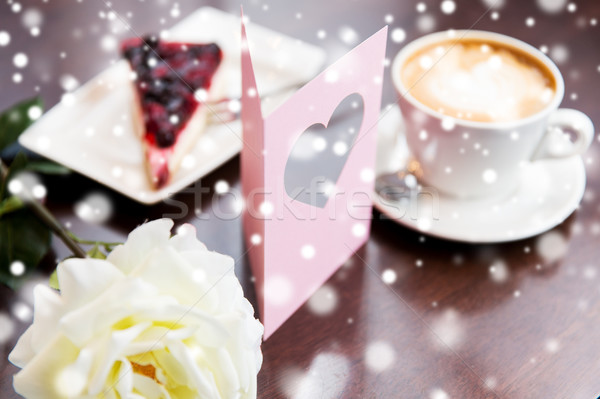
(51,47)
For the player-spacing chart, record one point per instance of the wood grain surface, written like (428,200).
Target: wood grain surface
(444,328)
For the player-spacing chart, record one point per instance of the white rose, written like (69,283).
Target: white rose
(161,317)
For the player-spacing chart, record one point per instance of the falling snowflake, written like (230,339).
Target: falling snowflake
(17,268)
(34,112)
(116,171)
(448,123)
(448,6)
(68,82)
(175,13)
(340,148)
(559,53)
(266,208)
(494,4)
(32,18)
(389,276)
(438,393)
(108,43)
(426,23)
(307,251)
(398,35)
(530,21)
(4,38)
(491,382)
(367,175)
(331,367)
(449,329)
(221,187)
(39,191)
(20,60)
(551,246)
(324,301)
(489,176)
(255,239)
(425,62)
(552,345)
(379,356)
(94,208)
(22,312)
(551,6)
(499,272)
(278,290)
(348,35)
(589,273)
(359,230)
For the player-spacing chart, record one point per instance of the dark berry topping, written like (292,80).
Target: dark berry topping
(168,74)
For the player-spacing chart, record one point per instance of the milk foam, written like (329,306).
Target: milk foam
(477,81)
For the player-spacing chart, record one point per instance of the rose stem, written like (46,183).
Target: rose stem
(105,244)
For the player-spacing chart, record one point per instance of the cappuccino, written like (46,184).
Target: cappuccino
(478,80)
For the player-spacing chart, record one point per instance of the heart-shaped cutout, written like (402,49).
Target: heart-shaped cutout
(320,153)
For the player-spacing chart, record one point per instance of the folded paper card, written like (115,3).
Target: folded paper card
(300,230)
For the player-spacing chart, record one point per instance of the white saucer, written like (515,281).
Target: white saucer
(548,193)
(93,134)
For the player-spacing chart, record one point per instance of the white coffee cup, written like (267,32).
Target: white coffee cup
(467,158)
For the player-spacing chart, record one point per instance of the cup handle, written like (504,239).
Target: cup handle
(557,144)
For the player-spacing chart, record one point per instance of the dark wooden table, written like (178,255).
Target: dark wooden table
(444,328)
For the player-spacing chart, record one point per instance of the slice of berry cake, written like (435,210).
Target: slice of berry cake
(169,116)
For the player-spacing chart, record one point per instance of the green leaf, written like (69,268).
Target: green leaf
(18,164)
(53,281)
(47,167)
(10,204)
(95,252)
(15,120)
(24,238)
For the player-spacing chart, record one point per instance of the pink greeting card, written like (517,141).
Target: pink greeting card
(298,237)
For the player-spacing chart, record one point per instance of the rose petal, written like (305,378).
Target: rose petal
(247,333)
(124,384)
(149,388)
(113,349)
(82,280)
(204,383)
(172,280)
(208,330)
(187,240)
(139,243)
(73,379)
(22,352)
(48,308)
(41,377)
(152,339)
(215,264)
(225,374)
(172,368)
(82,324)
